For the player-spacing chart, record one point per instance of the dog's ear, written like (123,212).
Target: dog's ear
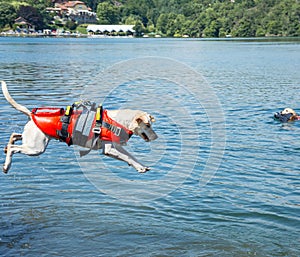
(152,119)
(145,118)
(142,118)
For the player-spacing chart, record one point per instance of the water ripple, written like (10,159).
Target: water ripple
(250,207)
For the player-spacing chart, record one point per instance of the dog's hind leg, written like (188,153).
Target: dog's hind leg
(34,142)
(10,150)
(32,150)
(118,152)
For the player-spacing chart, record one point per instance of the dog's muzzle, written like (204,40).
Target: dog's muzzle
(146,132)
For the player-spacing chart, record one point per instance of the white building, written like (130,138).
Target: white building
(110,29)
(74,10)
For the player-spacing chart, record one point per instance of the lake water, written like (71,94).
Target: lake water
(225,175)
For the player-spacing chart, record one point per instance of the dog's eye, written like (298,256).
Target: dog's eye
(139,120)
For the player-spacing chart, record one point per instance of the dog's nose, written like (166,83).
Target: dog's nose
(152,135)
(148,132)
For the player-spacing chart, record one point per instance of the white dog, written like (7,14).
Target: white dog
(81,124)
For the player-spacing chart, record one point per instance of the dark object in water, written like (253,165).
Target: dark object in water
(283,117)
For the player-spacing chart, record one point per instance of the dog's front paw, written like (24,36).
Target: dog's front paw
(5,169)
(143,169)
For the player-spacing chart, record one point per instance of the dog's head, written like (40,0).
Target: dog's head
(143,127)
(286,115)
(139,122)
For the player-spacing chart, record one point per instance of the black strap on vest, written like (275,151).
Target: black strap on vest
(63,133)
(119,132)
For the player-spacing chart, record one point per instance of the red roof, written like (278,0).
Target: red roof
(70,4)
(73,3)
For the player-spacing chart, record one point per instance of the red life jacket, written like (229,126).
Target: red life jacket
(49,121)
(114,131)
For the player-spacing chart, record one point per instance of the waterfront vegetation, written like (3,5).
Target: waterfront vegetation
(173,18)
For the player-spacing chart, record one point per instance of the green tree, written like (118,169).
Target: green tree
(92,4)
(108,13)
(162,22)
(7,15)
(71,25)
(294,20)
(139,28)
(32,15)
(212,30)
(131,20)
(274,27)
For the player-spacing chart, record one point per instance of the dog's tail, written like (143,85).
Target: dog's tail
(9,99)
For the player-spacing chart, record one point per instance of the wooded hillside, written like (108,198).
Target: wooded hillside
(195,18)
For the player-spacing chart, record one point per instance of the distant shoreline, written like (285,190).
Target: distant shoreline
(73,35)
(78,35)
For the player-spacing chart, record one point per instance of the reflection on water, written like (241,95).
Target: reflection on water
(250,207)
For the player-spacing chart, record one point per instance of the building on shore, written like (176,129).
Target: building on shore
(111,30)
(24,26)
(76,11)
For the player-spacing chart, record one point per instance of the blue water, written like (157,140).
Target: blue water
(59,205)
